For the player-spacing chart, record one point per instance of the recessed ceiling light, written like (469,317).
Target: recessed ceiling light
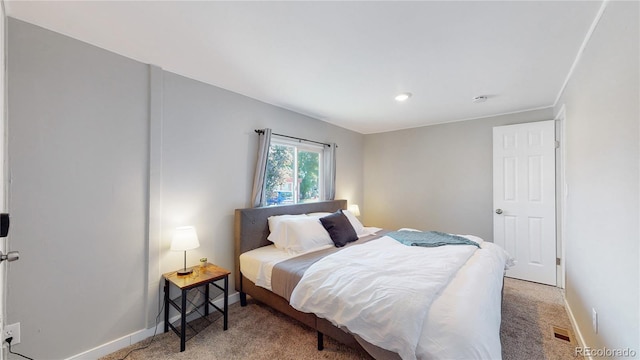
(480,99)
(403,96)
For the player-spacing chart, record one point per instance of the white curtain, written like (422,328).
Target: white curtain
(329,169)
(259,183)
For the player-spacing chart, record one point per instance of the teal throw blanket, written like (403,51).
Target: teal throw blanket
(429,238)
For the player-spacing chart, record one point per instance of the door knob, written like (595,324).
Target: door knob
(11,256)
(498,211)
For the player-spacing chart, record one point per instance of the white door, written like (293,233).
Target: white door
(524,218)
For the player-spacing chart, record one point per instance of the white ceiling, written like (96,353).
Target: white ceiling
(343,62)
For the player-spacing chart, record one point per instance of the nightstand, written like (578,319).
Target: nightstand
(202,276)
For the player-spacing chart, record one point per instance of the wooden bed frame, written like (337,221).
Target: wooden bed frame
(250,232)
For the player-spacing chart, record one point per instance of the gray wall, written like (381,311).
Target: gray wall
(209,152)
(435,177)
(107,156)
(78,124)
(602,175)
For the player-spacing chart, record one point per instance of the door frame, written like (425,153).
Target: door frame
(561,194)
(4,172)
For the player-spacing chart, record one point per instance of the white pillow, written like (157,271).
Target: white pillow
(319,214)
(300,234)
(275,221)
(357,225)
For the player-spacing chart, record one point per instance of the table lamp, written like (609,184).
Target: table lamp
(185,238)
(354,209)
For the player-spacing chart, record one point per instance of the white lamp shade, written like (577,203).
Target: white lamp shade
(354,209)
(185,238)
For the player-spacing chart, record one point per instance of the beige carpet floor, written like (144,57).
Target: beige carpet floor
(257,332)
(529,313)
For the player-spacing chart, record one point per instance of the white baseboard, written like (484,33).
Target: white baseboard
(576,329)
(127,340)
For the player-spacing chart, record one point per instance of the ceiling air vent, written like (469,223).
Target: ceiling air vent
(480,99)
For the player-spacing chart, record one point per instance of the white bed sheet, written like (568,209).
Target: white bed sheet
(257,264)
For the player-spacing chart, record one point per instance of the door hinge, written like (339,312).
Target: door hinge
(557,144)
(557,261)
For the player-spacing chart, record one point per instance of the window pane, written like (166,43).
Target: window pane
(308,176)
(294,173)
(280,175)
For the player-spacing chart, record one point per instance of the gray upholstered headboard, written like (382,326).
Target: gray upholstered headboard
(251,227)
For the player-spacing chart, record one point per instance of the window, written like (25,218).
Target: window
(294,173)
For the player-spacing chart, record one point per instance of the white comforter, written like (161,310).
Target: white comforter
(381,290)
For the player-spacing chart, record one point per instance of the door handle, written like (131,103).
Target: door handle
(11,256)
(498,211)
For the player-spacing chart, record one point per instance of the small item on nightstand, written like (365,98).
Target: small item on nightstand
(203,262)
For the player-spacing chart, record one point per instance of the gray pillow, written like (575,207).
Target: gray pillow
(339,228)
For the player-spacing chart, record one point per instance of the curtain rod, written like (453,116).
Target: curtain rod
(260,131)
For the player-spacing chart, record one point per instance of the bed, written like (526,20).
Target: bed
(458,319)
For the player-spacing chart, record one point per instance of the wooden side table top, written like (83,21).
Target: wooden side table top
(199,276)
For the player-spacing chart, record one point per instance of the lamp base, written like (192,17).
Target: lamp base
(185,272)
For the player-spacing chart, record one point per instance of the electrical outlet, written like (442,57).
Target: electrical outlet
(13,331)
(594,319)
